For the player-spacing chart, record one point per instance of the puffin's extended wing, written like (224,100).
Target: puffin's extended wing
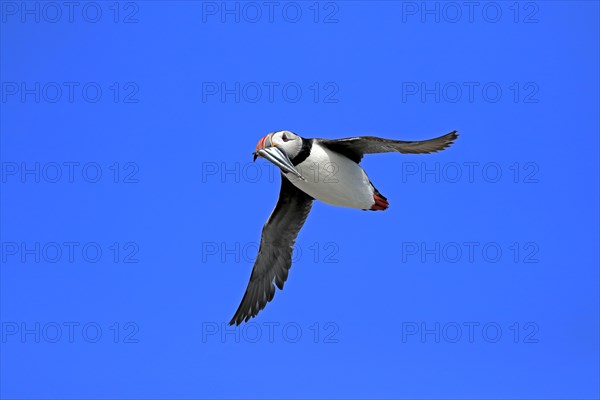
(275,253)
(354,148)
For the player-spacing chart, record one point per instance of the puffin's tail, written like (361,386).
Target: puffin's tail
(381,202)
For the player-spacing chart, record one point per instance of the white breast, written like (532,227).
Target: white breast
(334,179)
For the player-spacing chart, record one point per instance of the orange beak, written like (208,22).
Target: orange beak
(262,143)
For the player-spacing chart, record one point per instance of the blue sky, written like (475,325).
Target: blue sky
(131,209)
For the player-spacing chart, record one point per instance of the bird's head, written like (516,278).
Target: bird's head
(279,148)
(287,141)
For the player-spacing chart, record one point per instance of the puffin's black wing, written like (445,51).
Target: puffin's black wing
(275,252)
(354,148)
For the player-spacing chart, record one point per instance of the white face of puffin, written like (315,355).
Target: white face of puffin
(279,148)
(287,141)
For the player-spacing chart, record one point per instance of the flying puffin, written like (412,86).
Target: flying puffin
(322,169)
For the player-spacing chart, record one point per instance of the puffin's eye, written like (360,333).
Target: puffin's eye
(285,138)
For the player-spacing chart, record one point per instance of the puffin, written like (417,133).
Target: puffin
(314,169)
